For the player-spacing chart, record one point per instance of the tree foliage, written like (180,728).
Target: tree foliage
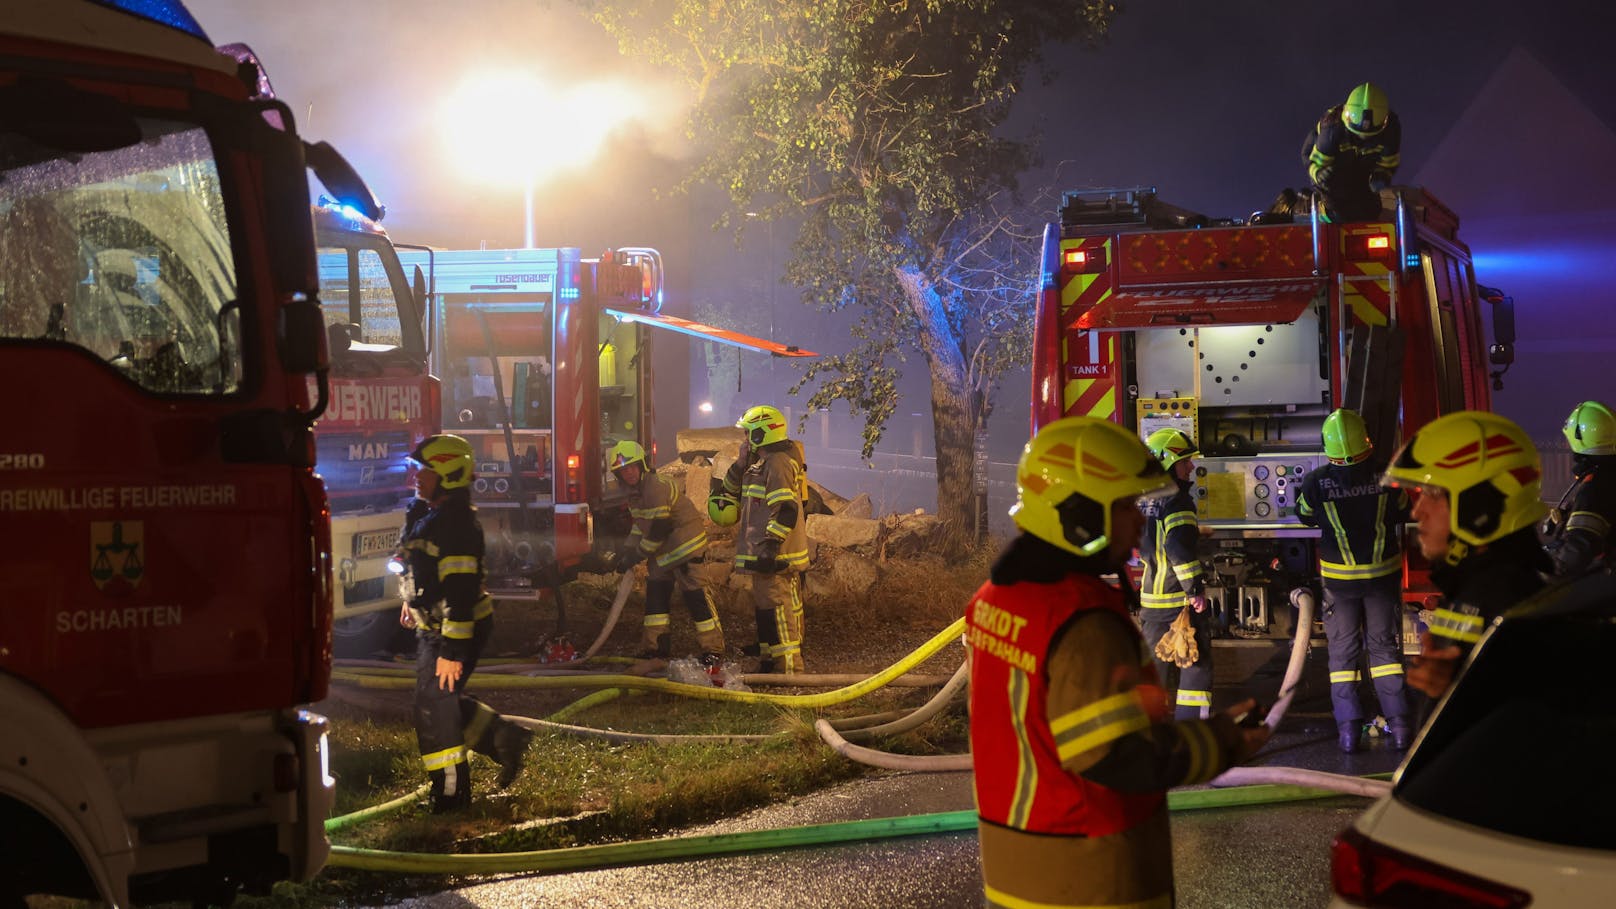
(877,126)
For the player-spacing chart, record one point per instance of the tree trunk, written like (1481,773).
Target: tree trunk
(954,419)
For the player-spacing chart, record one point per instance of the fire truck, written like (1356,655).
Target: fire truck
(545,360)
(383,400)
(163,535)
(1247,335)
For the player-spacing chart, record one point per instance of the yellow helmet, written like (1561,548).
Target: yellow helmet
(1171,446)
(1366,110)
(1486,465)
(1346,441)
(723,509)
(447,455)
(1070,475)
(625,453)
(1591,429)
(764,425)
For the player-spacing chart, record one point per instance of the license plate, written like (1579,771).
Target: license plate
(374,542)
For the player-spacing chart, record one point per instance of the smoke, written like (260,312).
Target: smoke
(374,79)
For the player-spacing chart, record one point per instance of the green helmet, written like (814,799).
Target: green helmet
(1171,446)
(625,453)
(1070,475)
(1485,464)
(1346,441)
(764,425)
(447,455)
(723,509)
(1366,110)
(1591,429)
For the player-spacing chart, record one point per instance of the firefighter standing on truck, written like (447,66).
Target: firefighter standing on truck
(1172,585)
(668,534)
(1071,745)
(1477,485)
(1352,154)
(1361,566)
(764,491)
(1578,532)
(441,561)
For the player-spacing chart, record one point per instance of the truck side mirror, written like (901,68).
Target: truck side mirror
(342,180)
(420,292)
(1502,352)
(302,340)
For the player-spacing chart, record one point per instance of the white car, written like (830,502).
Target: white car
(1508,798)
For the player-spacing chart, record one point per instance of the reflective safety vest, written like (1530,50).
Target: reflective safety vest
(1020,782)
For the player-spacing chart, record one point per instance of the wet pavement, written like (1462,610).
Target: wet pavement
(1260,856)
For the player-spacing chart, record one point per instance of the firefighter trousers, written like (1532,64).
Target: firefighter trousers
(661,583)
(777,603)
(450,724)
(1359,616)
(1193,683)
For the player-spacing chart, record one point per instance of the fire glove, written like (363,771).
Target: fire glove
(1322,175)
(1178,646)
(768,557)
(626,561)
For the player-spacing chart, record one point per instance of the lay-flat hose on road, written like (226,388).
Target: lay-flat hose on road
(1241,786)
(588,858)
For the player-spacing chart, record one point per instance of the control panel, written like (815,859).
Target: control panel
(1167,413)
(1251,489)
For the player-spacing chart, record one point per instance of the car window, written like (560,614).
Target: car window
(1524,742)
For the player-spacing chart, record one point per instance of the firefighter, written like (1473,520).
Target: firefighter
(1071,743)
(1477,484)
(1581,540)
(667,533)
(1352,154)
(1361,567)
(1173,582)
(441,560)
(768,488)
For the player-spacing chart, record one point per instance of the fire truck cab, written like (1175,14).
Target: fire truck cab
(163,535)
(383,400)
(545,359)
(1247,336)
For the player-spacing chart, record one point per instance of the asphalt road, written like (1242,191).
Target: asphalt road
(1250,857)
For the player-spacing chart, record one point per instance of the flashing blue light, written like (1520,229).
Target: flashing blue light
(569,293)
(171,13)
(1412,260)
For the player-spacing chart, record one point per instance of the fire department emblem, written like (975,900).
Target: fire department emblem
(116,561)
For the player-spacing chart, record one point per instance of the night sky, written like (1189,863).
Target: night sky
(1508,112)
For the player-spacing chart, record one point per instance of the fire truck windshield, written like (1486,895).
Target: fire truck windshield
(123,252)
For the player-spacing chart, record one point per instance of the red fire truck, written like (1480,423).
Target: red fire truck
(545,359)
(163,535)
(1247,336)
(383,400)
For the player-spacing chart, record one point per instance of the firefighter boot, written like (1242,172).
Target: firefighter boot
(1402,732)
(510,746)
(1349,733)
(451,789)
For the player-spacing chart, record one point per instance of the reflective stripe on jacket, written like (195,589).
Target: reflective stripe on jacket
(666,526)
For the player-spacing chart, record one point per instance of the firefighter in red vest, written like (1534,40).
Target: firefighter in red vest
(1071,737)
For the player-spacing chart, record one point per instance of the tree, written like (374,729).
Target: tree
(876,124)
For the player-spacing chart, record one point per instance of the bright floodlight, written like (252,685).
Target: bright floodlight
(510,128)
